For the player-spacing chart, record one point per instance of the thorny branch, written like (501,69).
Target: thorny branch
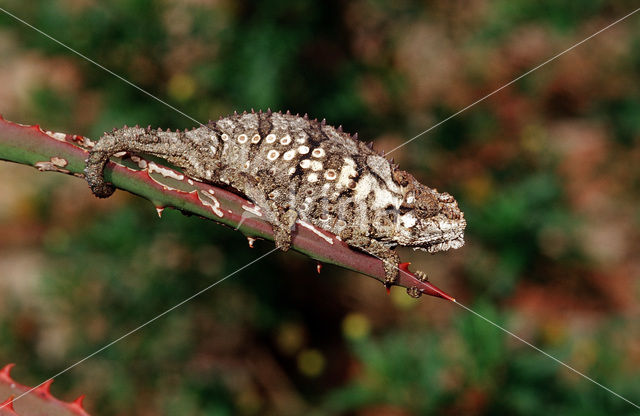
(36,401)
(168,187)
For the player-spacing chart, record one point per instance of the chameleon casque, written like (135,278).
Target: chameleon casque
(294,168)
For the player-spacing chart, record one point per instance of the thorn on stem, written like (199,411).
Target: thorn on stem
(8,404)
(404,267)
(78,402)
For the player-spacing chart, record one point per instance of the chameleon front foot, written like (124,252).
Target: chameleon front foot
(283,229)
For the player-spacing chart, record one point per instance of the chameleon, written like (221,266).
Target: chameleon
(297,169)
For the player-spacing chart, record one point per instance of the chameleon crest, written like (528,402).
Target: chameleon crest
(301,171)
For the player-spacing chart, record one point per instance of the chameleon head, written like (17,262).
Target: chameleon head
(427,219)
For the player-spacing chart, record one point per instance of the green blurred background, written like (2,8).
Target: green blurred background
(547,172)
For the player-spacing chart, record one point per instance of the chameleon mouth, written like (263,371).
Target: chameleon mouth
(442,245)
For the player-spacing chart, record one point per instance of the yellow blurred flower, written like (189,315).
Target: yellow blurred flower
(181,87)
(311,362)
(356,326)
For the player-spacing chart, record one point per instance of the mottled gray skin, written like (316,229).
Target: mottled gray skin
(294,168)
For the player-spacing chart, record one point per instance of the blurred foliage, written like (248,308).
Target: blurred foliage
(546,171)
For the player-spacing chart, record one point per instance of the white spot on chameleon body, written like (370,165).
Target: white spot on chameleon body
(289,154)
(246,165)
(316,165)
(304,164)
(271,138)
(285,140)
(303,150)
(408,220)
(318,152)
(255,139)
(225,137)
(330,174)
(291,171)
(382,196)
(273,154)
(242,138)
(213,149)
(313,177)
(347,172)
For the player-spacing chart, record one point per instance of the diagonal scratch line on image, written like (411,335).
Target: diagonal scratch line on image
(143,325)
(514,80)
(275,249)
(101,66)
(533,346)
(546,354)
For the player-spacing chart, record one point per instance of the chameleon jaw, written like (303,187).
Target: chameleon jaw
(442,245)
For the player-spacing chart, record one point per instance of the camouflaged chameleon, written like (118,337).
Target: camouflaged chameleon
(294,168)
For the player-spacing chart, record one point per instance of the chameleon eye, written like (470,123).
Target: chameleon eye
(391,210)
